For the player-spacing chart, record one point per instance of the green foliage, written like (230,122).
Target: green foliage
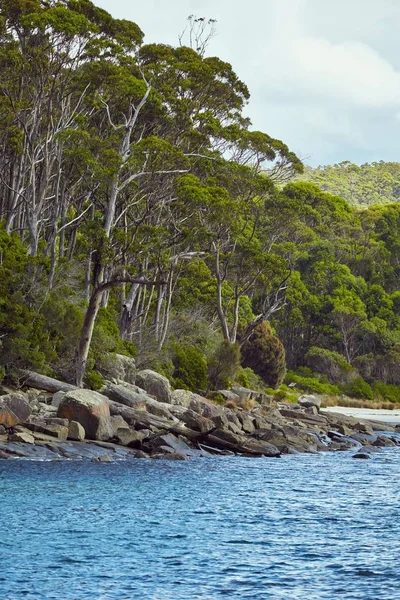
(312,384)
(330,363)
(374,183)
(94,380)
(265,354)
(385,391)
(190,368)
(224,365)
(359,388)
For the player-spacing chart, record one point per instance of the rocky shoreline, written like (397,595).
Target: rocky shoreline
(143,418)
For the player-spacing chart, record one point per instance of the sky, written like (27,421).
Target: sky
(324,76)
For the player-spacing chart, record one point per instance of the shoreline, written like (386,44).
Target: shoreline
(146,419)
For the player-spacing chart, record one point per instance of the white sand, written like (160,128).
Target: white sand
(387,416)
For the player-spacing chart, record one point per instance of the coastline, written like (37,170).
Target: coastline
(148,420)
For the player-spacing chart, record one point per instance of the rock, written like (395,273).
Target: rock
(24,437)
(191,419)
(56,431)
(241,444)
(130,437)
(383,441)
(363,455)
(155,384)
(117,366)
(245,394)
(309,401)
(227,395)
(170,441)
(76,431)
(247,422)
(91,410)
(118,422)
(8,418)
(18,405)
(135,397)
(2,430)
(184,398)
(57,421)
(141,454)
(169,456)
(364,428)
(57,397)
(105,458)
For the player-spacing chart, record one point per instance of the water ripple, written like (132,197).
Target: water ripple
(321,527)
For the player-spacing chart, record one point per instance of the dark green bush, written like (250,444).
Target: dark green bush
(359,388)
(386,391)
(265,354)
(224,365)
(190,368)
(332,364)
(311,384)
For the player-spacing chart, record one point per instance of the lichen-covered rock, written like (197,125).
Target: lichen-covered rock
(118,367)
(76,431)
(22,436)
(155,384)
(56,399)
(91,410)
(18,405)
(308,401)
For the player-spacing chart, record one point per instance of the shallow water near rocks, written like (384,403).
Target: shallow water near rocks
(306,526)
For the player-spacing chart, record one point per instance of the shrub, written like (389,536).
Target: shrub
(190,368)
(312,384)
(224,365)
(359,388)
(265,354)
(332,364)
(386,391)
(94,380)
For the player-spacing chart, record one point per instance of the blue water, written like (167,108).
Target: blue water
(301,527)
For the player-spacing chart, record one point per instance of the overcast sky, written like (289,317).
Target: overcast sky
(324,76)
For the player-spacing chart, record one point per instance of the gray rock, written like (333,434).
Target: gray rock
(91,410)
(309,401)
(246,422)
(362,455)
(155,384)
(170,441)
(118,422)
(135,397)
(117,366)
(191,419)
(18,404)
(76,431)
(56,399)
(186,398)
(24,437)
(130,437)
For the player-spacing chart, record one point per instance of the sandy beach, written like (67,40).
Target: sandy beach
(386,416)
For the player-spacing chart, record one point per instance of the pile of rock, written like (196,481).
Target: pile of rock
(146,419)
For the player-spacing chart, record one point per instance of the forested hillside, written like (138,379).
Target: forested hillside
(142,215)
(365,185)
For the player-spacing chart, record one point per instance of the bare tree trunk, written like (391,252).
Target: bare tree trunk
(86,335)
(220,310)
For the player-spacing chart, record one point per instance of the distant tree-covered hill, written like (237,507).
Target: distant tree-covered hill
(371,183)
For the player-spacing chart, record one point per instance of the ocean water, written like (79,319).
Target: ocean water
(301,527)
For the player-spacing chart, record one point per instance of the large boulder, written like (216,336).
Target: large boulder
(16,404)
(309,401)
(117,366)
(134,397)
(91,410)
(155,384)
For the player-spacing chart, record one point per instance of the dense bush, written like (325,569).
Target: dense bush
(332,364)
(224,365)
(386,391)
(190,368)
(359,388)
(312,384)
(265,354)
